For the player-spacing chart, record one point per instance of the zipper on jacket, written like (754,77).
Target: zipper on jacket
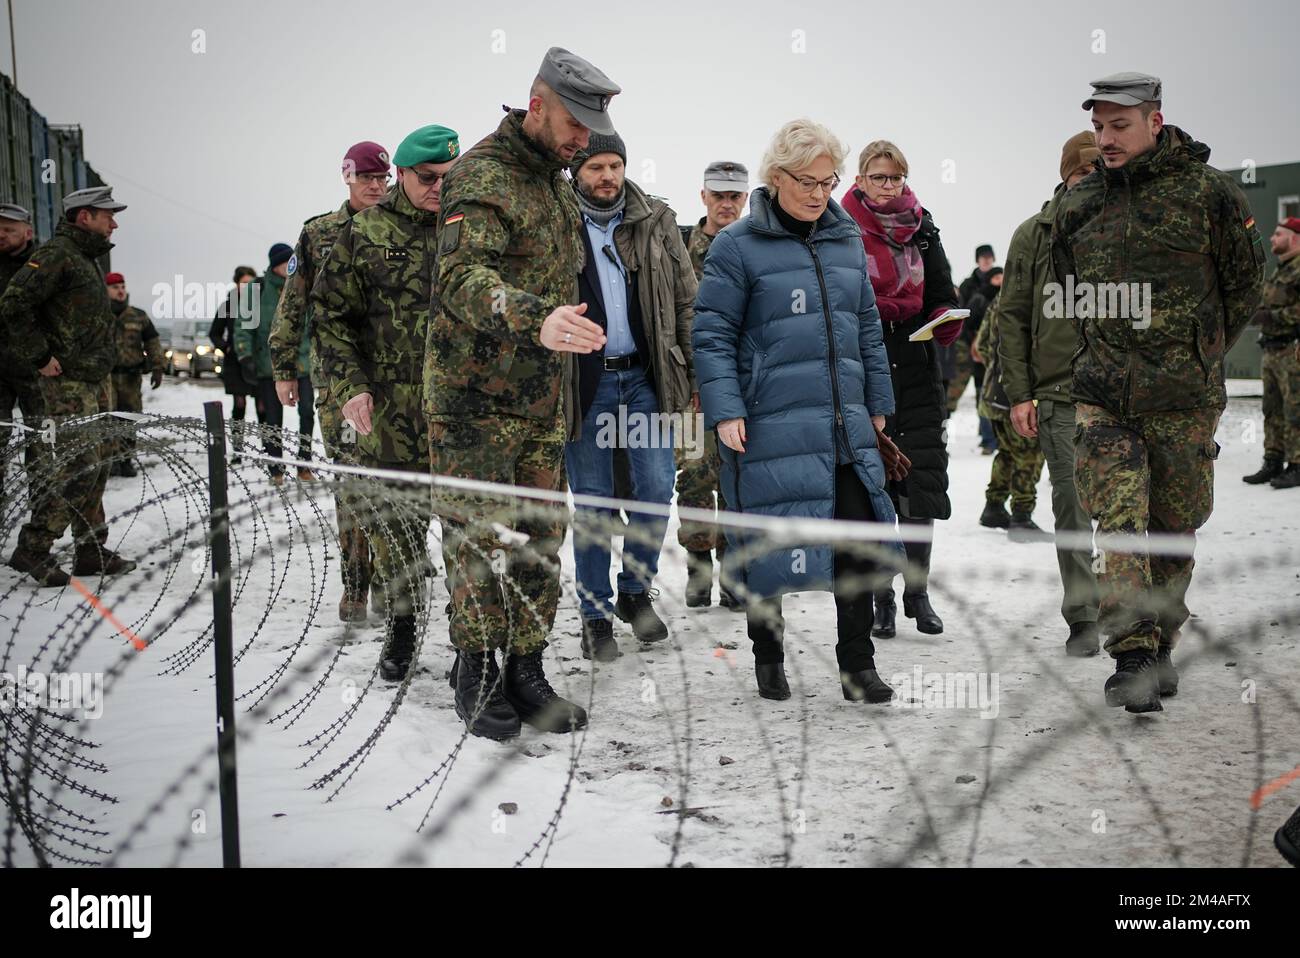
(830,337)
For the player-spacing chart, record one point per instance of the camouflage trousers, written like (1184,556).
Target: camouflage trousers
(1149,473)
(965,369)
(396,523)
(356,566)
(1017,467)
(699,487)
(1280,372)
(127,397)
(68,488)
(26,398)
(504,594)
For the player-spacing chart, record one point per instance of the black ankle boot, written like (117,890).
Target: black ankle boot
(1134,683)
(916,605)
(866,685)
(1166,674)
(480,703)
(532,697)
(1271,469)
(886,616)
(598,640)
(399,648)
(699,582)
(635,609)
(771,680)
(1083,640)
(1023,528)
(995,516)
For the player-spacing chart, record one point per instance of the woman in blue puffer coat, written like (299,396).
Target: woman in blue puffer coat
(793,375)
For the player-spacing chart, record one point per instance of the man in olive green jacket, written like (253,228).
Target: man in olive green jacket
(1034,352)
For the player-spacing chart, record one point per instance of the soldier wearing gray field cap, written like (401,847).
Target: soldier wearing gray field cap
(1126,89)
(95,197)
(724,176)
(585,90)
(14,212)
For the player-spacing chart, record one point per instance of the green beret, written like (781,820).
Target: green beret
(428,144)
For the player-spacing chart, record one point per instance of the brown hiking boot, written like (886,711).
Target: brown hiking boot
(41,568)
(100,562)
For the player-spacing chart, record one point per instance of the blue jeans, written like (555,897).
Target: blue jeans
(589,463)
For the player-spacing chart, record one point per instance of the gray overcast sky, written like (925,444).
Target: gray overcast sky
(222,153)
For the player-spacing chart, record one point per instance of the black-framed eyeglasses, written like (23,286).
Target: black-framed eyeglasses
(428,179)
(879,180)
(808,185)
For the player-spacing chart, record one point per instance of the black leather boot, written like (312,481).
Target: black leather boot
(1023,528)
(916,605)
(1166,674)
(480,702)
(1134,683)
(866,686)
(635,609)
(995,516)
(1289,477)
(598,640)
(699,582)
(399,648)
(886,616)
(1271,469)
(1083,640)
(533,699)
(771,680)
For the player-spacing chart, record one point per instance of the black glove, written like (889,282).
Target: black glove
(248,366)
(155,378)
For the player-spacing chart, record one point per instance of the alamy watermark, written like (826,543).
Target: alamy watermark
(947,690)
(1071,300)
(653,430)
(60,692)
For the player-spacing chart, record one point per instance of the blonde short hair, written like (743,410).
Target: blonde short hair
(881,149)
(798,144)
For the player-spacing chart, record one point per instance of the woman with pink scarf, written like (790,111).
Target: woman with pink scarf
(913,284)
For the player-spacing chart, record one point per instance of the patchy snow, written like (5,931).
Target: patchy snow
(1054,778)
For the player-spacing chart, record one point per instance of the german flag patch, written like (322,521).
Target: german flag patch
(1250,223)
(450,238)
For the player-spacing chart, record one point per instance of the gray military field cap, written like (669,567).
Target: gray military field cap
(584,89)
(96,197)
(12,211)
(725,176)
(1126,89)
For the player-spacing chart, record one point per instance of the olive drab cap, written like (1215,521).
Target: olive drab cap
(725,176)
(586,91)
(1126,89)
(96,197)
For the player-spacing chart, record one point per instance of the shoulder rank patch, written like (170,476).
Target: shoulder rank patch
(450,233)
(395,253)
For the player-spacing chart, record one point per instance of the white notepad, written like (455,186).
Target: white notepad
(927,331)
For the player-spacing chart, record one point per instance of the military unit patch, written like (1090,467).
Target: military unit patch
(293,264)
(450,233)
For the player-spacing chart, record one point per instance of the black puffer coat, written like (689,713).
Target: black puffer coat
(919,398)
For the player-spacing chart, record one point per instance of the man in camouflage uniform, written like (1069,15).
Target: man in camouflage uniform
(497,390)
(366,173)
(370,316)
(1033,356)
(17,388)
(57,320)
(725,192)
(1017,462)
(138,349)
(1148,379)
(1278,319)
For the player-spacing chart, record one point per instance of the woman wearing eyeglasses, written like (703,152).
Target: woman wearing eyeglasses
(913,284)
(793,376)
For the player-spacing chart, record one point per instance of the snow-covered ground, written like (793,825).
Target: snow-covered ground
(683,761)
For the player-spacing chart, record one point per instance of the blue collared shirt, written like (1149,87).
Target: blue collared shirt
(613,288)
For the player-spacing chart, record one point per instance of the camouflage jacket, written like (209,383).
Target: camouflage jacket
(698,247)
(510,253)
(1278,315)
(9,265)
(1171,232)
(370,317)
(138,346)
(292,327)
(57,306)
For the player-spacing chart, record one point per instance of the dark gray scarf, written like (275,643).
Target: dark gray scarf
(600,212)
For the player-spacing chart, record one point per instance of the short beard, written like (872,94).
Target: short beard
(596,202)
